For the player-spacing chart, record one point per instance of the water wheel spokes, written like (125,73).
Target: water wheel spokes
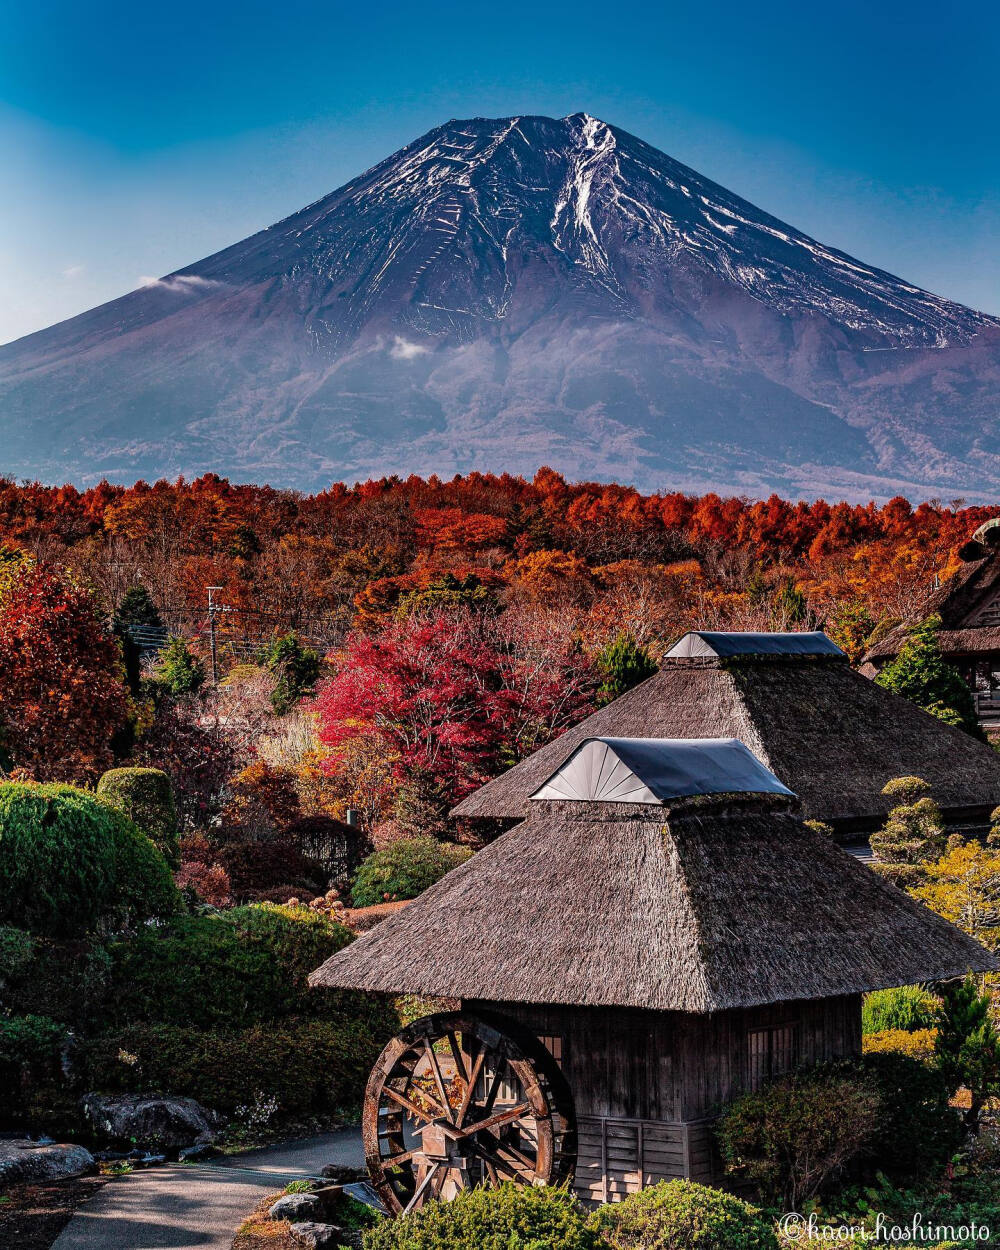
(457,1100)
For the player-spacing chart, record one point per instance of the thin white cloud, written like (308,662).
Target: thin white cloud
(74,271)
(182,282)
(403,349)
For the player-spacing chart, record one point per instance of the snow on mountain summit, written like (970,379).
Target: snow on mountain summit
(507,292)
(474,196)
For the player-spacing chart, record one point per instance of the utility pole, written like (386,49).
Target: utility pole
(213,608)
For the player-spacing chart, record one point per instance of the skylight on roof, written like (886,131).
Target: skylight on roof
(707,642)
(652,770)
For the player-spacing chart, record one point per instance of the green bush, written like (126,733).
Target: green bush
(296,668)
(511,1217)
(241,967)
(70,865)
(908,1007)
(30,1042)
(681,1215)
(306,1066)
(65,980)
(145,796)
(922,674)
(30,1050)
(404,870)
(917,1131)
(623,663)
(178,670)
(795,1136)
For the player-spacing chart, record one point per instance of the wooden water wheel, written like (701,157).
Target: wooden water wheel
(457,1100)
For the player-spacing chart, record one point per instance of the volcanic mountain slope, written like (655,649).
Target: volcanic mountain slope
(507,293)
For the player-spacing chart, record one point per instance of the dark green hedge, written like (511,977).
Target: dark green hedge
(241,967)
(917,1131)
(145,796)
(68,981)
(308,1066)
(30,1052)
(70,865)
(882,1114)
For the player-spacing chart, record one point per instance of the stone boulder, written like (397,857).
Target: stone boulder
(296,1207)
(318,1236)
(162,1122)
(24,1162)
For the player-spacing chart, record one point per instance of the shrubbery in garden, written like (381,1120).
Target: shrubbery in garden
(967,1050)
(70,865)
(796,1135)
(492,1219)
(921,673)
(916,1131)
(145,796)
(30,1049)
(300,1067)
(404,869)
(800,1134)
(916,1043)
(245,966)
(909,1007)
(913,835)
(682,1215)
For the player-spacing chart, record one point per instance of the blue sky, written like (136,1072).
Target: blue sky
(137,139)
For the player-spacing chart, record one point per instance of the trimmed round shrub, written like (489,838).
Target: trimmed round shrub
(306,1066)
(908,1007)
(682,1215)
(797,1134)
(405,869)
(241,967)
(145,796)
(70,865)
(491,1219)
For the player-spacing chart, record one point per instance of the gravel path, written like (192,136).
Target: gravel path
(199,1206)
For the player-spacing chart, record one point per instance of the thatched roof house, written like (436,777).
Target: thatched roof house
(968,605)
(829,733)
(671,902)
(673,945)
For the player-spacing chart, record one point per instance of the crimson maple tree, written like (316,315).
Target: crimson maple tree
(62,693)
(452,696)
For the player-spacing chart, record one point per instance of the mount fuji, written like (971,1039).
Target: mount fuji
(503,294)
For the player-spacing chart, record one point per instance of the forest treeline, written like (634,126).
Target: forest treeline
(605,557)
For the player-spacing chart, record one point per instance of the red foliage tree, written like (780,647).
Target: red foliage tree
(62,693)
(449,696)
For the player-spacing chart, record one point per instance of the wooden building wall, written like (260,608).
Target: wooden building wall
(647,1085)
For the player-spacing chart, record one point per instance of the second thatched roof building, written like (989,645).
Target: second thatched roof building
(832,735)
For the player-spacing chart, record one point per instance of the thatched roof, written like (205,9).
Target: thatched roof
(976,640)
(828,733)
(691,908)
(958,602)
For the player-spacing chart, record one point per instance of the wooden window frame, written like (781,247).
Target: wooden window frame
(778,1060)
